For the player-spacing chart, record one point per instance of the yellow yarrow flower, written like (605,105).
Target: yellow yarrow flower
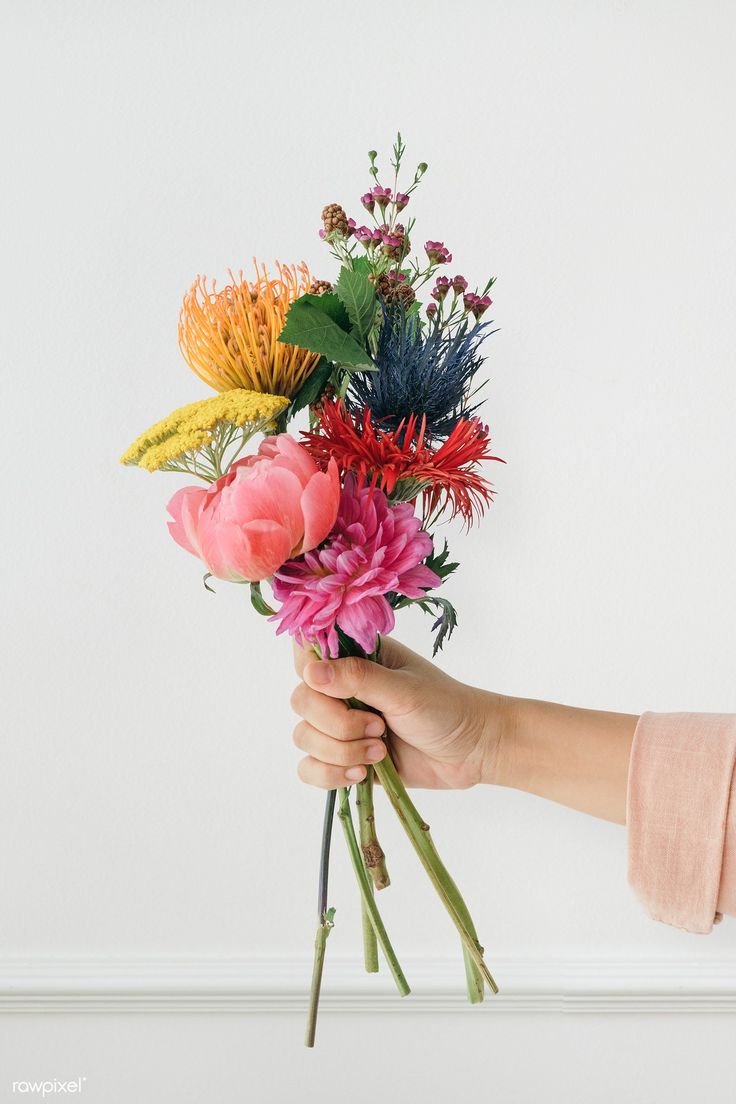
(196,437)
(230,337)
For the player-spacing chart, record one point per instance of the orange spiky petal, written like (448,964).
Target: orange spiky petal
(229,338)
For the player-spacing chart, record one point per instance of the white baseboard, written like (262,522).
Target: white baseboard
(214,984)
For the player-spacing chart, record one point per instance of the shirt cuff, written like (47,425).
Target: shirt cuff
(680,818)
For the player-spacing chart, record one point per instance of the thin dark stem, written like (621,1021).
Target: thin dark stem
(325,920)
(324,857)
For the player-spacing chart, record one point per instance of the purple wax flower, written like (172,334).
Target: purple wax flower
(368,201)
(476,304)
(437,252)
(401,199)
(441,288)
(367,237)
(431,309)
(459,284)
(482,303)
(382,196)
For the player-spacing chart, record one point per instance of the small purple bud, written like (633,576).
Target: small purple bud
(459,284)
(432,309)
(351,228)
(368,202)
(322,234)
(401,199)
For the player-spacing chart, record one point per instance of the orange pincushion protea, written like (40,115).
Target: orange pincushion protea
(230,337)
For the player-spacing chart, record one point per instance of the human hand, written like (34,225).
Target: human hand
(442,733)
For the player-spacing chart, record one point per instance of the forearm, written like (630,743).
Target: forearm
(577,757)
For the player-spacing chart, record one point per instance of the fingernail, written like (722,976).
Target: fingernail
(321,673)
(355,774)
(375,752)
(374,728)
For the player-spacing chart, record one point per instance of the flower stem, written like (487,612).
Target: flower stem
(366,890)
(375,860)
(418,831)
(370,943)
(364,805)
(325,920)
(323,930)
(324,855)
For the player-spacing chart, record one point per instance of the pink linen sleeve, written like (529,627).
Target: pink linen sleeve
(681,817)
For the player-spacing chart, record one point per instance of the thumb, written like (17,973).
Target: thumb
(370,682)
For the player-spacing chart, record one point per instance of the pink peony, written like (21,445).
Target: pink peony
(373,549)
(264,510)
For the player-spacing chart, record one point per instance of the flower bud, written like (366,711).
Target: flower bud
(481,305)
(441,288)
(401,199)
(368,202)
(437,252)
(459,284)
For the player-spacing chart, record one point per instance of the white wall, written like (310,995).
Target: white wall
(147,790)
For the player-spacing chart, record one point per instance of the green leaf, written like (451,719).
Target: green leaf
(330,304)
(258,602)
(445,624)
(312,387)
(357,294)
(362,264)
(438,563)
(311,328)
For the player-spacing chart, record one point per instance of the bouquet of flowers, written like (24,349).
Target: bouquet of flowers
(339,520)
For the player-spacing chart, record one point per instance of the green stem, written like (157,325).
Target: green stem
(323,930)
(363,802)
(366,890)
(370,943)
(418,831)
(375,860)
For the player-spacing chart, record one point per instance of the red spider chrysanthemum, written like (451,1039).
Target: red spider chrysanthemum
(404,463)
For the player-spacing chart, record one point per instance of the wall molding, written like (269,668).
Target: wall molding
(268,986)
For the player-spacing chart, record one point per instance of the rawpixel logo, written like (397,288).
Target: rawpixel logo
(49,1088)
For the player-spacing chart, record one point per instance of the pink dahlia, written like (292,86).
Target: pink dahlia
(373,549)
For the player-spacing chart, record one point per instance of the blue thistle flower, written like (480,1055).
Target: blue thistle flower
(424,373)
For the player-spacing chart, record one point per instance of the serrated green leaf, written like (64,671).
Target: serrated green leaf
(311,328)
(357,294)
(312,387)
(445,624)
(361,264)
(438,563)
(329,303)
